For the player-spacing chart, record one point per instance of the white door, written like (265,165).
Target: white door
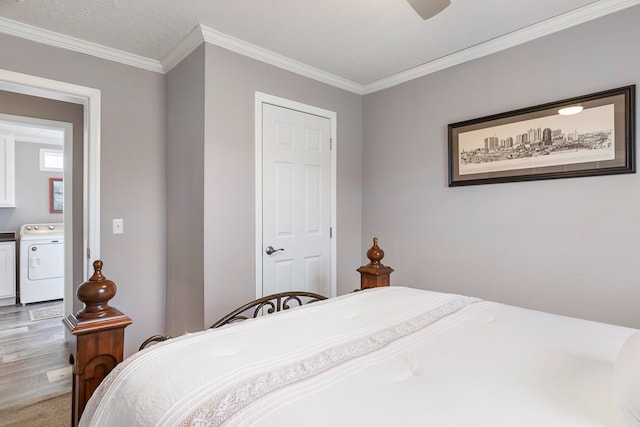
(296,205)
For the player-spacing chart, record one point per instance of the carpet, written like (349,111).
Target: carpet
(46,313)
(53,412)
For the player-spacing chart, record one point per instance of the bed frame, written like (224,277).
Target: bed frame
(266,305)
(97,331)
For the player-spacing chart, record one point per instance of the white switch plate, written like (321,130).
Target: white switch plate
(118,226)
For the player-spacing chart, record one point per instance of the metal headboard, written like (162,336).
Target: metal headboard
(266,305)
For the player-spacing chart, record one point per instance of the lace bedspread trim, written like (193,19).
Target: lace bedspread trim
(233,399)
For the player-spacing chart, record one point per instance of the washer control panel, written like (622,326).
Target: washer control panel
(41,229)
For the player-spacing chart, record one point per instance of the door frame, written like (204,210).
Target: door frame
(89,98)
(263,98)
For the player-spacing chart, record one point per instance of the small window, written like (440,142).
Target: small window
(51,160)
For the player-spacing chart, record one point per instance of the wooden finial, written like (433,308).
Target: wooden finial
(95,294)
(374,274)
(375,254)
(97,271)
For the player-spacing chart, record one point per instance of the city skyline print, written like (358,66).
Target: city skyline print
(541,143)
(555,140)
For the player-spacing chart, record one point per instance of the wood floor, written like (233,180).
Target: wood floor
(34,358)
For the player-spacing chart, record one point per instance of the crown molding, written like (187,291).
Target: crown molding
(541,29)
(51,38)
(247,49)
(202,34)
(187,45)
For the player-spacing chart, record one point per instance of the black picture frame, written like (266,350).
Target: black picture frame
(538,143)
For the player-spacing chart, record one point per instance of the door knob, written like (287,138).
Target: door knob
(270,250)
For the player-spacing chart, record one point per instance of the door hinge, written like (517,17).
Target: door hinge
(330,143)
(331,232)
(88,253)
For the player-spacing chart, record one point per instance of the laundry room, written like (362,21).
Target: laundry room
(41,168)
(31,212)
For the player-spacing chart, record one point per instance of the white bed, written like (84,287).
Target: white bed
(381,357)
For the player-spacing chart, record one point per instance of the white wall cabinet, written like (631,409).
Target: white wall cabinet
(7,171)
(7,273)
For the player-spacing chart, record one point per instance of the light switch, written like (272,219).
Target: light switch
(118,226)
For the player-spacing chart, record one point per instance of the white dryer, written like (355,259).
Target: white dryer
(41,262)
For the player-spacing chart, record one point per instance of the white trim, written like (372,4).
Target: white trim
(202,34)
(541,29)
(263,98)
(256,52)
(23,133)
(258,193)
(67,218)
(91,180)
(51,38)
(32,139)
(90,98)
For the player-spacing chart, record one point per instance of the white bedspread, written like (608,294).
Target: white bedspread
(387,356)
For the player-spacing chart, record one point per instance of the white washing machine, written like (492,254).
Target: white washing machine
(41,262)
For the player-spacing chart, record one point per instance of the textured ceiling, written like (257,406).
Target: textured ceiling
(362,41)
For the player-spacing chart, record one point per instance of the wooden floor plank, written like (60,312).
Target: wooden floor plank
(28,351)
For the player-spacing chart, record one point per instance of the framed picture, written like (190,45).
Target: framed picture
(56,195)
(583,136)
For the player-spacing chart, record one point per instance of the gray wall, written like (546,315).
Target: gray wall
(30,106)
(132,171)
(135,168)
(32,188)
(228,227)
(567,246)
(185,194)
(229,236)
(492,241)
(229,158)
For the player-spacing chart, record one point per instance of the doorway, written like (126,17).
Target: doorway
(85,232)
(81,228)
(295,197)
(35,176)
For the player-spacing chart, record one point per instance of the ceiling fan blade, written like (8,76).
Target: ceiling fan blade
(428,8)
